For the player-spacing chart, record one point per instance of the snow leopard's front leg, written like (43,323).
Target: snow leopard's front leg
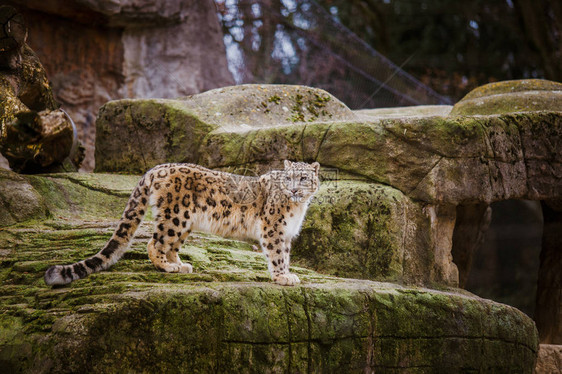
(277,251)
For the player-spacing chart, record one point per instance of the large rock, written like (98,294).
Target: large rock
(95,51)
(367,231)
(155,131)
(256,106)
(227,316)
(19,201)
(173,130)
(511,96)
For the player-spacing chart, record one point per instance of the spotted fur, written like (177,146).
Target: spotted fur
(187,197)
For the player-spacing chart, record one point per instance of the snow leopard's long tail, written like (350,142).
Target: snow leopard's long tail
(115,247)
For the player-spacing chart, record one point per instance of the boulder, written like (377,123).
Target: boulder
(19,201)
(227,315)
(511,96)
(173,130)
(367,231)
(41,142)
(255,106)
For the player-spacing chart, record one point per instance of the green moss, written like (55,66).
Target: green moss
(297,109)
(309,108)
(274,99)
(121,186)
(187,132)
(67,197)
(316,106)
(352,230)
(163,131)
(223,149)
(354,148)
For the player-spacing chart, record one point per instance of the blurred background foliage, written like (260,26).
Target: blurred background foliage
(379,53)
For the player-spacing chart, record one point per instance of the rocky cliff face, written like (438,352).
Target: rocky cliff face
(95,51)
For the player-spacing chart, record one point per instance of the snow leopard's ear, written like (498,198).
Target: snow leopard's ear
(316,167)
(287,164)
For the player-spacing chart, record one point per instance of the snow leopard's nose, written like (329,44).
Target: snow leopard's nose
(294,191)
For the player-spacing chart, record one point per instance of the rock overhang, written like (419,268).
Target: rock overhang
(448,159)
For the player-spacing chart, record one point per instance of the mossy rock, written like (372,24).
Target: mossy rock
(134,135)
(19,201)
(364,230)
(227,316)
(511,96)
(255,106)
(338,326)
(69,196)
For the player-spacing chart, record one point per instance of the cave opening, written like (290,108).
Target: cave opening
(500,260)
